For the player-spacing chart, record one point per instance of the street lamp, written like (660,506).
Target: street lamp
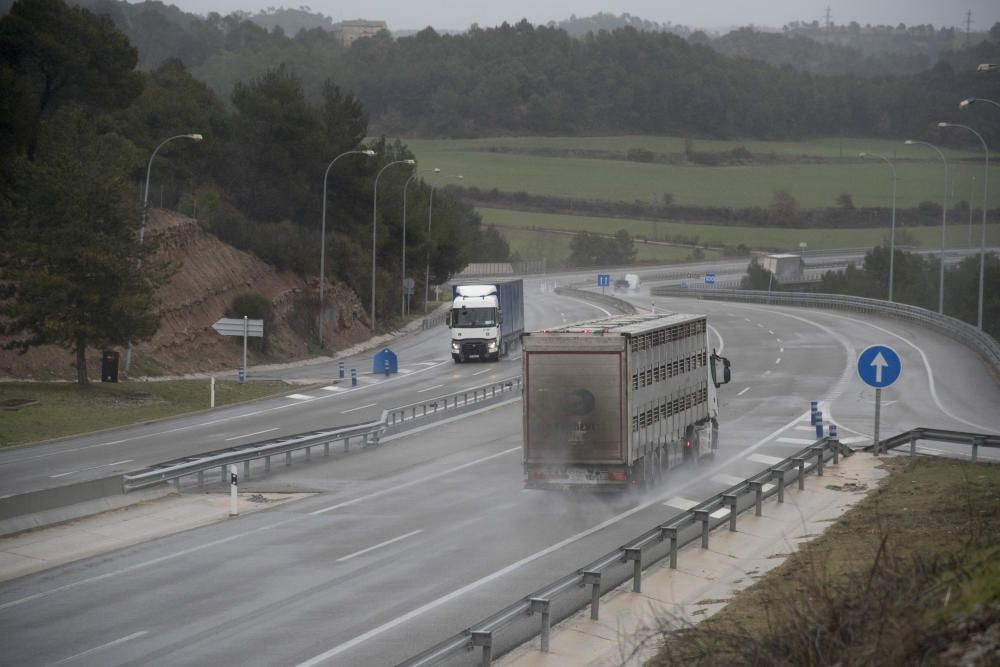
(374,220)
(427,266)
(145,209)
(982,246)
(322,238)
(892,228)
(944,217)
(435,170)
(965,104)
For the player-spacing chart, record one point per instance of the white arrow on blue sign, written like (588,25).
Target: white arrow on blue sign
(603,279)
(709,278)
(879,366)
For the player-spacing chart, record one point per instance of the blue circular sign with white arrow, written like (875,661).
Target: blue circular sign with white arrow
(879,366)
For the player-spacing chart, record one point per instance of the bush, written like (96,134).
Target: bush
(640,155)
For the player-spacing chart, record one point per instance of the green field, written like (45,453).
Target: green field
(813,185)
(531,243)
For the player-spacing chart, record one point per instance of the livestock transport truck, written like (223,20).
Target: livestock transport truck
(486,320)
(612,403)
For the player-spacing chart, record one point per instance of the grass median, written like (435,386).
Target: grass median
(30,412)
(909,576)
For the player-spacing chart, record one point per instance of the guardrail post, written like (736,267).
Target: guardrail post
(975,448)
(347,444)
(730,500)
(326,449)
(201,478)
(222,469)
(635,555)
(593,579)
(309,454)
(246,469)
(267,464)
(702,515)
(177,482)
(541,606)
(781,484)
(288,459)
(484,639)
(758,492)
(835,446)
(671,534)
(818,451)
(801,464)
(913,444)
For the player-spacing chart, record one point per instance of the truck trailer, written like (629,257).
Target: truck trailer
(486,319)
(609,404)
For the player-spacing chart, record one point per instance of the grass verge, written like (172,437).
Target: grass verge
(909,576)
(53,410)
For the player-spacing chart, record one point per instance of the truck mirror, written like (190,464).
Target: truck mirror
(727,373)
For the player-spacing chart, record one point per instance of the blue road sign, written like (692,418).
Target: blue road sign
(879,366)
(709,278)
(604,280)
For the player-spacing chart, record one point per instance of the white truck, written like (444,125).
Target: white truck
(612,403)
(486,319)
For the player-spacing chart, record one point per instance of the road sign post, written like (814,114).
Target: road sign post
(229,326)
(603,281)
(878,366)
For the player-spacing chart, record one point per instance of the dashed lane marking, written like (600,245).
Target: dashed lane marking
(681,503)
(796,441)
(765,459)
(300,397)
(744,391)
(334,388)
(727,480)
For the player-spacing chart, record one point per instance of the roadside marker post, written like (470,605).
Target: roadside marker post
(233,488)
(211,403)
(341,368)
(878,366)
(354,377)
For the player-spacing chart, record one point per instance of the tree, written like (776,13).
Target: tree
(759,278)
(784,210)
(69,265)
(65,55)
(845,201)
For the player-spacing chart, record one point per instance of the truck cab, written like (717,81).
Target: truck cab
(474,321)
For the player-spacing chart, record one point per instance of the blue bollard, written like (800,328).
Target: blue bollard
(341,364)
(354,377)
(385,365)
(813,409)
(242,374)
(819,425)
(833,431)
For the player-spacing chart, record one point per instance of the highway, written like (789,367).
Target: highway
(405,544)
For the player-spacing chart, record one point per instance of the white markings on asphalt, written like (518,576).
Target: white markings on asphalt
(721,513)
(681,503)
(796,441)
(781,349)
(301,397)
(765,459)
(726,480)
(103,465)
(930,451)
(360,407)
(722,343)
(378,546)
(111,644)
(334,388)
(485,370)
(247,435)
(743,391)
(854,440)
(404,371)
(747,319)
(778,360)
(807,428)
(437,386)
(779,340)
(770,332)
(767,372)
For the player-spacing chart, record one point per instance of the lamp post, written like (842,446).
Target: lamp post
(374,226)
(145,210)
(435,170)
(944,217)
(892,227)
(427,265)
(322,237)
(982,245)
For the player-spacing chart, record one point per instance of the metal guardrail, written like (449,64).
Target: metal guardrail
(605,299)
(981,342)
(514,625)
(391,422)
(974,440)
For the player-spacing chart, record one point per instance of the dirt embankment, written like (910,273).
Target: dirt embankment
(208,275)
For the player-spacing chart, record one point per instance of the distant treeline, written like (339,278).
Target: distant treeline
(523,79)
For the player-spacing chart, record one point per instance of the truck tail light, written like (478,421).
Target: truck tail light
(618,476)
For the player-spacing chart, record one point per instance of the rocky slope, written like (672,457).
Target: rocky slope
(208,275)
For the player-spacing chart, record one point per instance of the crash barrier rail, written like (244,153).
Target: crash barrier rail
(911,437)
(984,344)
(368,434)
(597,297)
(533,615)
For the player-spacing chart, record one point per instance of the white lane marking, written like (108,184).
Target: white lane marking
(722,343)
(767,487)
(854,440)
(929,450)
(796,441)
(720,513)
(178,429)
(334,388)
(301,397)
(770,332)
(422,480)
(747,319)
(360,407)
(437,386)
(404,371)
(111,644)
(103,465)
(727,480)
(778,360)
(485,370)
(247,435)
(378,546)
(681,503)
(779,340)
(765,459)
(743,391)
(760,325)
(806,428)
(767,372)
(781,349)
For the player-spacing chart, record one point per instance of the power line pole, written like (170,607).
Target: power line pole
(968,27)
(828,19)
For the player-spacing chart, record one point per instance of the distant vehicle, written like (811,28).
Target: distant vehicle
(621,284)
(785,266)
(485,319)
(613,403)
(628,281)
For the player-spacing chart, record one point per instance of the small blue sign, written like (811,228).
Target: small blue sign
(879,366)
(604,280)
(709,278)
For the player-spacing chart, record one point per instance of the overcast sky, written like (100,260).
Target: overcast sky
(711,14)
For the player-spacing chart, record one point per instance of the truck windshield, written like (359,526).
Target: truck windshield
(474,317)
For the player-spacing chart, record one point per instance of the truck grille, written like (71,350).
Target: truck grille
(470,349)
